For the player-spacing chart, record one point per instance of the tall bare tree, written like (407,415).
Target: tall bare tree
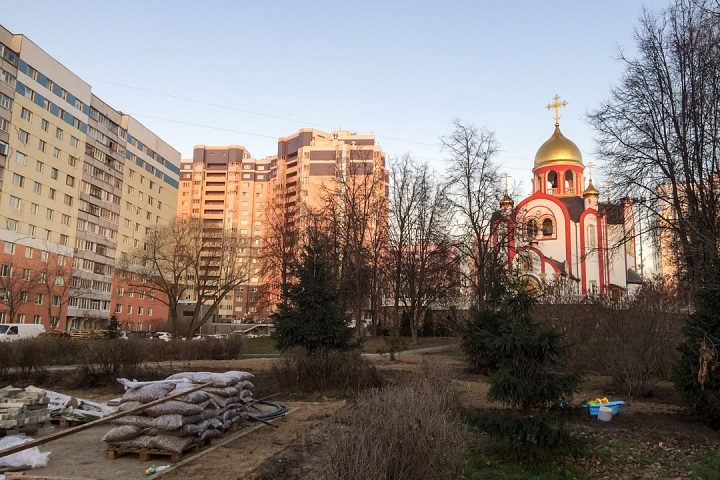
(354,204)
(188,258)
(473,190)
(660,130)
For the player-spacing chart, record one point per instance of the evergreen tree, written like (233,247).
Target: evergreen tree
(113,328)
(313,317)
(695,374)
(528,374)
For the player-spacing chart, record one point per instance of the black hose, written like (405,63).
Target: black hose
(279,411)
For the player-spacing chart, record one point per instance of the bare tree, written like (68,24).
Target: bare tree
(62,283)
(18,286)
(473,191)
(354,203)
(280,246)
(660,130)
(188,258)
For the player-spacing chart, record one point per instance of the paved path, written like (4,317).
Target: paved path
(431,350)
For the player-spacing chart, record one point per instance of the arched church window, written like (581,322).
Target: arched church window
(531,229)
(569,182)
(548,228)
(526,263)
(552,179)
(591,236)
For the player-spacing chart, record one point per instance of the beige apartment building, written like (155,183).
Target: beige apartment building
(225,185)
(80,180)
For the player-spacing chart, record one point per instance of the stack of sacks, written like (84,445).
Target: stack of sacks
(172,426)
(230,391)
(176,424)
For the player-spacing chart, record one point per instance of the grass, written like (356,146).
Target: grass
(266,345)
(708,465)
(483,468)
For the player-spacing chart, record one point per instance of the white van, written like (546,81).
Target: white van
(18,331)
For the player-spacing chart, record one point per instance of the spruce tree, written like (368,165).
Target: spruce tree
(530,376)
(695,373)
(313,318)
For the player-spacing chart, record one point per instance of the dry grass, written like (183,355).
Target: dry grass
(406,431)
(324,370)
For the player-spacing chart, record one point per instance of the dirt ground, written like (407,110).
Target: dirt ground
(650,436)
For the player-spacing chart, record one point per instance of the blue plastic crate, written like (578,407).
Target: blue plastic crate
(616,407)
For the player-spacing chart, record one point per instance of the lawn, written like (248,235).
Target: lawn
(265,345)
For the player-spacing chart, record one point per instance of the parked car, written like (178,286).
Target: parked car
(123,335)
(146,335)
(167,336)
(198,336)
(9,333)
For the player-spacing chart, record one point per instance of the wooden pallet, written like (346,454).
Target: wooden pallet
(145,453)
(66,422)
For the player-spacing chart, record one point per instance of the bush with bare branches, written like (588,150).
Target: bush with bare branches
(405,431)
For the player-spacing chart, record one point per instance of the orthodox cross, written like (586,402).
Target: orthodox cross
(590,165)
(608,185)
(505,176)
(556,105)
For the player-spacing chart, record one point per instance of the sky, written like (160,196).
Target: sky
(248,72)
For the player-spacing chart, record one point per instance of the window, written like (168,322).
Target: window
(9,248)
(4,125)
(14,202)
(130,309)
(42,145)
(25,114)
(18,180)
(140,310)
(26,274)
(42,277)
(72,161)
(54,173)
(118,308)
(12,225)
(20,318)
(24,297)
(591,236)
(44,124)
(37,188)
(73,142)
(68,200)
(149,312)
(56,301)
(56,152)
(33,208)
(59,280)
(58,133)
(5,271)
(23,136)
(28,252)
(37,319)
(31,230)
(44,256)
(49,214)
(65,220)
(51,194)
(70,181)
(39,298)
(548,229)
(5,101)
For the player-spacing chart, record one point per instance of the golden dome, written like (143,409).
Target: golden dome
(558,149)
(506,201)
(591,191)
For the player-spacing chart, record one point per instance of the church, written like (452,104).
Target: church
(563,233)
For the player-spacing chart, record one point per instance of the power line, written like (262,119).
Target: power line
(226,107)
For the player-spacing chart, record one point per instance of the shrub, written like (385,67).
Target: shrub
(477,337)
(405,431)
(323,370)
(633,341)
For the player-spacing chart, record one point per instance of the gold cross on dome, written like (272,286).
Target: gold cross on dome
(556,105)
(505,176)
(590,165)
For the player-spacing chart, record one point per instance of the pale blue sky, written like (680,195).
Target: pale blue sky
(402,70)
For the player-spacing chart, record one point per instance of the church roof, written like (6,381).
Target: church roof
(575,206)
(558,149)
(615,213)
(633,277)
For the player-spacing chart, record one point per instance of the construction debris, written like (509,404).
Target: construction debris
(70,409)
(20,408)
(88,334)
